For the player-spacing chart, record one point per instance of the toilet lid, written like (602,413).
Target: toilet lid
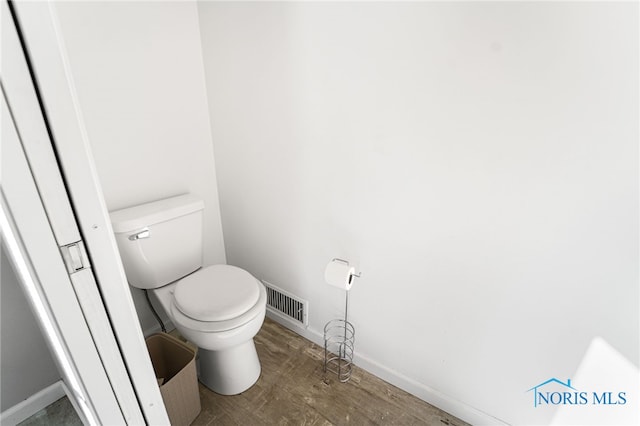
(216,293)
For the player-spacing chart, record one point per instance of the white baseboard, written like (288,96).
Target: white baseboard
(426,393)
(30,406)
(420,390)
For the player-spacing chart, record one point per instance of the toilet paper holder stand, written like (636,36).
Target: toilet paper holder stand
(339,336)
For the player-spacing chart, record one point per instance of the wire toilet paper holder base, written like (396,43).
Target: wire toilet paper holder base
(339,338)
(338,348)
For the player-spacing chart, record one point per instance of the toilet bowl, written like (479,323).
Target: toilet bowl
(228,361)
(219,308)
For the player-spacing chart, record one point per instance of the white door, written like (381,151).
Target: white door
(31,247)
(65,252)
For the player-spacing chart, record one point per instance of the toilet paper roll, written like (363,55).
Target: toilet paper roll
(339,274)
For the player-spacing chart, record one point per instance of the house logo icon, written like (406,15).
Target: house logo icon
(554,398)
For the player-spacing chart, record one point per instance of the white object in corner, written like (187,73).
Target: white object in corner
(219,308)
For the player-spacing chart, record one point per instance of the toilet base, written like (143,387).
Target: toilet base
(231,371)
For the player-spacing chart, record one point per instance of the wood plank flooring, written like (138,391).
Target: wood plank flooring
(293,390)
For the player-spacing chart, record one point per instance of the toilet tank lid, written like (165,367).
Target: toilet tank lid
(137,217)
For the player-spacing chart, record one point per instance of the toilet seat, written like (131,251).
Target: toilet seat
(217,326)
(243,300)
(216,293)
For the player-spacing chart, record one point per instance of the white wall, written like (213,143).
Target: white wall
(478,162)
(26,363)
(138,71)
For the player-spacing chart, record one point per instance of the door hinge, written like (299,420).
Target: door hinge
(75,257)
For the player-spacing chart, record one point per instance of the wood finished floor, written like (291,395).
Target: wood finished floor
(293,390)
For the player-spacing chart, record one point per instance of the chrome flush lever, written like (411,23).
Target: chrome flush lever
(140,235)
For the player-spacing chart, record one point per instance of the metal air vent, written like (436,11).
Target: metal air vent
(286,305)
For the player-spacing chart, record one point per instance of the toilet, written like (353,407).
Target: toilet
(219,308)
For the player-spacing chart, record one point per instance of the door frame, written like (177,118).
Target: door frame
(33,251)
(44,88)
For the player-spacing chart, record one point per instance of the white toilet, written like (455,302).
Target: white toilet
(219,308)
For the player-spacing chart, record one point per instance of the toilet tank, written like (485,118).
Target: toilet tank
(160,242)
